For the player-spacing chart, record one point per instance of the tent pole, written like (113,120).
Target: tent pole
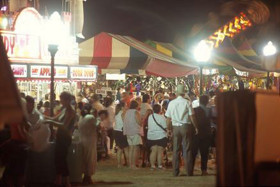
(200,81)
(267,80)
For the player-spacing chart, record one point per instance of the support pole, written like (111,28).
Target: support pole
(200,80)
(267,81)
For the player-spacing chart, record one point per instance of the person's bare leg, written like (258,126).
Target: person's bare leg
(126,155)
(119,157)
(108,145)
(153,156)
(130,155)
(135,155)
(159,156)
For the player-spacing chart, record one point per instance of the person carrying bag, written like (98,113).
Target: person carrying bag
(157,136)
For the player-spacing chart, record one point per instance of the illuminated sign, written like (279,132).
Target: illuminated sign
(22,45)
(115,76)
(101,92)
(30,35)
(20,71)
(37,71)
(241,73)
(231,29)
(89,73)
(209,71)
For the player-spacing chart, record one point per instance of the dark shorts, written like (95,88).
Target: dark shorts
(121,140)
(161,142)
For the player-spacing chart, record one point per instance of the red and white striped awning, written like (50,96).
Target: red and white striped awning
(123,54)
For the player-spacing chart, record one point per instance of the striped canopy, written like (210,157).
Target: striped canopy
(123,54)
(176,52)
(231,58)
(240,55)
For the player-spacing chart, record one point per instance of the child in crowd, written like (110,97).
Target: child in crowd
(120,138)
(104,120)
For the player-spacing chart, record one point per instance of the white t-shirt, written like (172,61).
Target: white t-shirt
(118,122)
(179,111)
(34,117)
(154,131)
(39,136)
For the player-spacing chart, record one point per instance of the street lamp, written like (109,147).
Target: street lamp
(202,54)
(269,50)
(54,39)
(53,48)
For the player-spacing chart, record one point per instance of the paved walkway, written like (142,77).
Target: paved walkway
(108,174)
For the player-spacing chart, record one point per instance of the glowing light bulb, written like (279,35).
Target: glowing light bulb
(269,49)
(202,52)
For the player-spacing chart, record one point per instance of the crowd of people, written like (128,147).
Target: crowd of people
(137,128)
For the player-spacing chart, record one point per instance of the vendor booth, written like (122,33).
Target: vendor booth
(25,40)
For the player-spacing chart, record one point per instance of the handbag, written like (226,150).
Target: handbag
(158,123)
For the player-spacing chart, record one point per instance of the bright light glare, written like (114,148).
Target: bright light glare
(4,8)
(202,52)
(4,23)
(269,49)
(54,29)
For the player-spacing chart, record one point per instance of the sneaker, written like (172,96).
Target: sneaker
(152,168)
(161,168)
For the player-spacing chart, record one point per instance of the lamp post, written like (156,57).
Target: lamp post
(53,33)
(268,51)
(202,54)
(53,48)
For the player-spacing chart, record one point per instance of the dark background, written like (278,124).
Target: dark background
(159,20)
(164,20)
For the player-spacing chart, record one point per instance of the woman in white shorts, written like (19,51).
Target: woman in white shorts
(132,130)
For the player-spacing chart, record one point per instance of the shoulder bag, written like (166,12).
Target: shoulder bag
(158,123)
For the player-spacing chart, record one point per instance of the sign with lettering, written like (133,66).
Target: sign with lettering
(89,73)
(101,92)
(22,46)
(29,38)
(20,71)
(38,71)
(241,73)
(115,76)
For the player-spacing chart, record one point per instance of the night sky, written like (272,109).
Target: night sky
(160,20)
(164,20)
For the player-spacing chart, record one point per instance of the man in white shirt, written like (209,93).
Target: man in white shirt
(180,115)
(39,133)
(33,115)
